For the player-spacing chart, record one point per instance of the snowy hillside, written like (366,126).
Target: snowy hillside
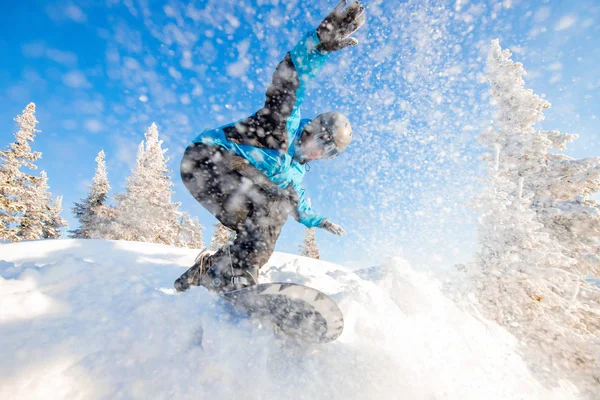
(99,319)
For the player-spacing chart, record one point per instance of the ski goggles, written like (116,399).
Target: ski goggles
(326,142)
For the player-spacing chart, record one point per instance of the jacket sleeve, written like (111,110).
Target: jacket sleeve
(268,126)
(304,213)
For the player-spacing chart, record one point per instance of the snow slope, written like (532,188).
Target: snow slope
(98,319)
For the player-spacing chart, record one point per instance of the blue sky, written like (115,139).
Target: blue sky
(100,72)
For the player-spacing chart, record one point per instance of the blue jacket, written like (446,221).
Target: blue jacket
(268,138)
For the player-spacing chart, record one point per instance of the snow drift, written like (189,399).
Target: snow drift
(99,319)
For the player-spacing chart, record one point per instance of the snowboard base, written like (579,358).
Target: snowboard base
(296,311)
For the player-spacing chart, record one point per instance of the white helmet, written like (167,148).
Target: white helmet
(332,131)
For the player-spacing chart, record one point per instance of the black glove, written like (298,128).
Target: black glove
(335,30)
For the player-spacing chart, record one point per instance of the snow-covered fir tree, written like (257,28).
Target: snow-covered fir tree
(14,182)
(190,233)
(538,233)
(559,184)
(26,209)
(221,236)
(92,212)
(34,217)
(41,218)
(54,222)
(145,211)
(309,247)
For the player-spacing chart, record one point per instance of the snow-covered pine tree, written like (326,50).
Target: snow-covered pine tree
(92,211)
(13,181)
(559,184)
(533,245)
(33,219)
(41,218)
(309,247)
(221,236)
(145,211)
(51,229)
(190,233)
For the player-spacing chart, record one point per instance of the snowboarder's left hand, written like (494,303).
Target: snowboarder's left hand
(335,30)
(333,228)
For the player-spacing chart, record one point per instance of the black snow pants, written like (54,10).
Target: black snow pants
(243,199)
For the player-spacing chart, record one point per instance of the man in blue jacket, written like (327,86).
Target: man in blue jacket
(248,174)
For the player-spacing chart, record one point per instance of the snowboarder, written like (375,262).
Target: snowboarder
(248,174)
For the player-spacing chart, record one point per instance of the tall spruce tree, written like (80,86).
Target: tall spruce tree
(221,236)
(537,234)
(35,216)
(145,211)
(14,182)
(190,233)
(309,247)
(54,221)
(92,211)
(41,218)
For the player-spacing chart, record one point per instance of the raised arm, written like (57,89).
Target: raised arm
(268,127)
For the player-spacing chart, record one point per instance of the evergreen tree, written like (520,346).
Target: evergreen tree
(41,218)
(14,182)
(190,233)
(54,222)
(559,185)
(221,236)
(35,216)
(309,247)
(92,211)
(145,211)
(536,232)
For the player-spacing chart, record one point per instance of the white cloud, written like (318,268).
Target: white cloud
(555,78)
(174,73)
(565,22)
(556,66)
(185,99)
(61,12)
(459,5)
(39,49)
(62,57)
(76,79)
(131,63)
(172,33)
(75,13)
(181,119)
(541,14)
(93,125)
(143,98)
(242,47)
(127,37)
(233,21)
(186,60)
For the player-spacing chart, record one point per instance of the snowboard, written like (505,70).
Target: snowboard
(296,311)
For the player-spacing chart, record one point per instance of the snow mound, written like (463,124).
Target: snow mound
(99,319)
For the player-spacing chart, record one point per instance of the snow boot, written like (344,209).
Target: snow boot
(192,276)
(229,279)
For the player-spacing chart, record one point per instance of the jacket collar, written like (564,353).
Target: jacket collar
(297,135)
